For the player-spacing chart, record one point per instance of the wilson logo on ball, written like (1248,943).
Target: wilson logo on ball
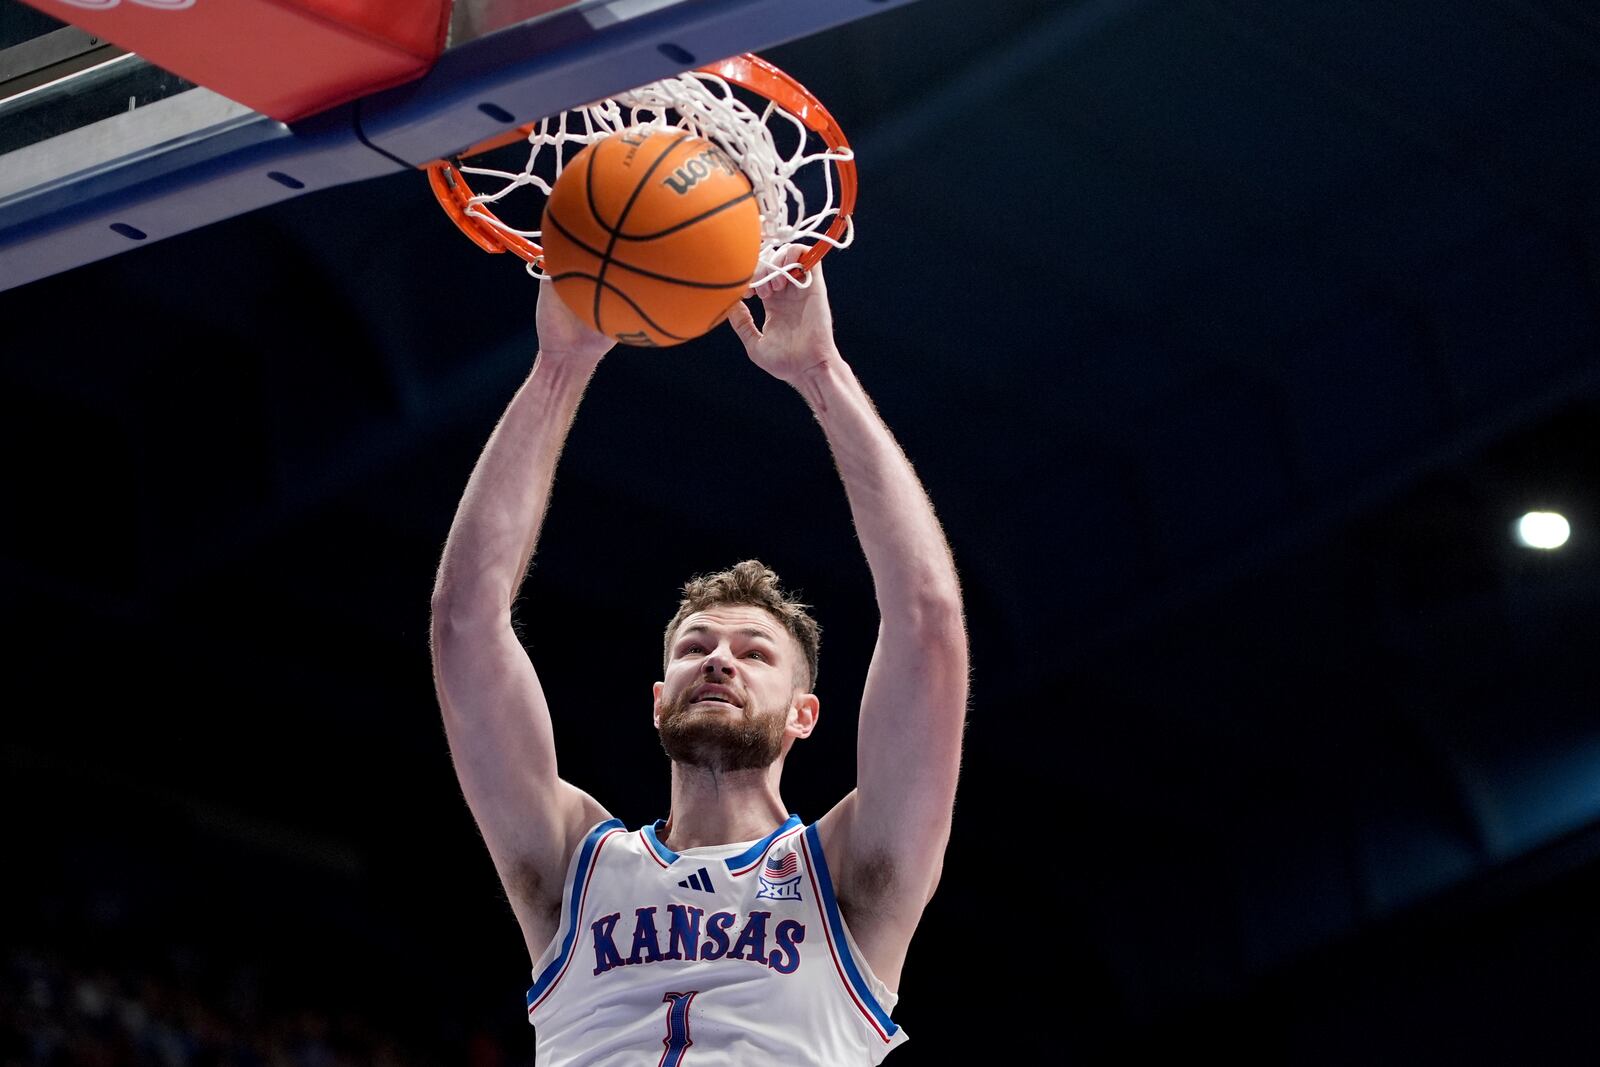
(687,176)
(657,252)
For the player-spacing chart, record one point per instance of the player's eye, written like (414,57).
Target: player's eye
(755,655)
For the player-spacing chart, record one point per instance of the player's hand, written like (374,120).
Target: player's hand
(796,335)
(562,335)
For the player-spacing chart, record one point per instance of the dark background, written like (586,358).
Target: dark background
(1229,338)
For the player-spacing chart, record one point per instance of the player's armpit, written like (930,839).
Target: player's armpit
(889,835)
(501,742)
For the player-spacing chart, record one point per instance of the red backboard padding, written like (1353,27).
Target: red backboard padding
(284,58)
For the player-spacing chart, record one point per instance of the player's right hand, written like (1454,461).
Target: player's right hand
(562,334)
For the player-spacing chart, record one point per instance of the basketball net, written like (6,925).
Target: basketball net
(703,103)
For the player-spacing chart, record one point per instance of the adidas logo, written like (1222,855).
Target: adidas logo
(700,880)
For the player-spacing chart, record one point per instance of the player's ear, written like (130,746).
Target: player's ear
(655,711)
(803,712)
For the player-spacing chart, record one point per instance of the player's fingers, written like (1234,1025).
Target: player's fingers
(744,324)
(799,275)
(816,278)
(786,257)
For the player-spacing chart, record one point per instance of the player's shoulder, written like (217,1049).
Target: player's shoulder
(583,821)
(871,866)
(839,843)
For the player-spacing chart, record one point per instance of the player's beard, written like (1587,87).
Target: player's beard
(738,739)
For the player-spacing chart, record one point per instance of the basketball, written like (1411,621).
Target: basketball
(650,236)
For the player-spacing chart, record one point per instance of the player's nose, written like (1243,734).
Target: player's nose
(718,663)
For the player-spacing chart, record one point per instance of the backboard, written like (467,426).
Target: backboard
(102,152)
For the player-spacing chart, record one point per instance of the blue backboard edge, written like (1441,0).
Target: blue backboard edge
(527,71)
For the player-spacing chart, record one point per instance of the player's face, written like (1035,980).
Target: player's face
(729,698)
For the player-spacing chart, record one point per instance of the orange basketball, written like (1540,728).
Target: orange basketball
(651,236)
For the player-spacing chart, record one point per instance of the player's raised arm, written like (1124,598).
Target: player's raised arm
(494,709)
(886,840)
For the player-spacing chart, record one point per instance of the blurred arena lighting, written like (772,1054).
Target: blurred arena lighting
(1543,529)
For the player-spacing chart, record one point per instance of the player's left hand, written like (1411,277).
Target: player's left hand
(796,335)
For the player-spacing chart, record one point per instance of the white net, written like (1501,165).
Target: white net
(705,105)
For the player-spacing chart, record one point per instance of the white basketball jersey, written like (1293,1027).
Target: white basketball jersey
(723,956)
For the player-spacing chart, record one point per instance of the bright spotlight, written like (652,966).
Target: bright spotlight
(1543,529)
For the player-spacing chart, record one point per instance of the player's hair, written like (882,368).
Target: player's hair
(755,584)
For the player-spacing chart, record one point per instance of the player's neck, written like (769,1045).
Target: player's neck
(722,807)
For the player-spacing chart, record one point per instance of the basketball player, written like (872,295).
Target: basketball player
(729,933)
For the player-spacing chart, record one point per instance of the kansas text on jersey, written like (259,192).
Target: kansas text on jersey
(710,957)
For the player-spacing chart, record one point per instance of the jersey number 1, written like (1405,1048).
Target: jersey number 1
(677,1039)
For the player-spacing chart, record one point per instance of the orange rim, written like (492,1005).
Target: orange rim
(746,71)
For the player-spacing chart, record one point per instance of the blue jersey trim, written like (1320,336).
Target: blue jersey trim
(830,908)
(753,853)
(668,856)
(575,898)
(743,859)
